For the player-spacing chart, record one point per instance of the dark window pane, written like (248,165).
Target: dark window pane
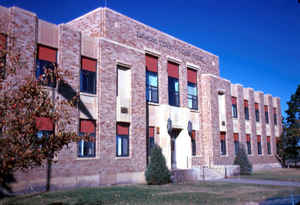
(192,96)
(246,113)
(267,117)
(234,111)
(87,148)
(193,147)
(269,148)
(249,147)
(173,90)
(259,148)
(87,81)
(257,115)
(236,146)
(43,67)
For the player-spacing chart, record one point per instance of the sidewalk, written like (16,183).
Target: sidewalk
(262,182)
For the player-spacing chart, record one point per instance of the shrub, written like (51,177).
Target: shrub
(242,159)
(157,171)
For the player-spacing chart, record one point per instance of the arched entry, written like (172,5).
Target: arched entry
(174,134)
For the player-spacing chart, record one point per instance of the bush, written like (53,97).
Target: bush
(157,171)
(242,159)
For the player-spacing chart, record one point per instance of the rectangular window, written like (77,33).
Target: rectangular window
(151,79)
(266,114)
(275,116)
(193,141)
(88,75)
(173,84)
(277,144)
(259,151)
(192,89)
(246,109)
(236,143)
(223,143)
(3,45)
(151,140)
(87,148)
(256,112)
(269,144)
(45,65)
(122,140)
(45,127)
(234,107)
(248,144)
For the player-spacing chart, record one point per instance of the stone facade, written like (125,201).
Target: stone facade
(117,40)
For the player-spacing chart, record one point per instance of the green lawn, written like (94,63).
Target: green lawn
(212,193)
(287,174)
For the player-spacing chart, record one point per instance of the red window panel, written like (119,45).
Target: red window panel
(87,126)
(234,101)
(246,103)
(88,64)
(193,134)
(236,137)
(44,123)
(2,41)
(47,54)
(248,138)
(173,70)
(268,139)
(151,131)
(266,108)
(192,75)
(122,129)
(256,106)
(222,136)
(151,63)
(258,138)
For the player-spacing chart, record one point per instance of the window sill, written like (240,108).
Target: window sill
(194,110)
(86,158)
(125,157)
(88,94)
(153,103)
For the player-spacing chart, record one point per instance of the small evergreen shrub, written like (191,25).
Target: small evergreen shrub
(242,159)
(157,171)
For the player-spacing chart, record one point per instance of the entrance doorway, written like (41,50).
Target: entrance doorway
(174,133)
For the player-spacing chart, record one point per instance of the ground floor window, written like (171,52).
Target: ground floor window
(259,151)
(122,140)
(269,144)
(249,144)
(151,140)
(193,141)
(87,148)
(236,142)
(223,143)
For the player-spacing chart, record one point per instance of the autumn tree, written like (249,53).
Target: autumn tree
(27,105)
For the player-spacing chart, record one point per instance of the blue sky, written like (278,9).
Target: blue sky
(258,41)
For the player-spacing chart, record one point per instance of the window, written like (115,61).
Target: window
(248,144)
(234,107)
(45,127)
(45,65)
(277,144)
(88,75)
(236,143)
(256,112)
(151,140)
(87,148)
(3,43)
(223,143)
(266,114)
(193,141)
(246,109)
(275,117)
(122,141)
(192,89)
(151,79)
(173,84)
(259,152)
(269,144)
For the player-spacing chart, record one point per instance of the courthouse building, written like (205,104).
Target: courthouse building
(140,86)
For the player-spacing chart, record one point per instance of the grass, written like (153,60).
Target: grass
(280,174)
(212,193)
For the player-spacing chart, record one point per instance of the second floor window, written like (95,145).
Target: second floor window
(173,84)
(266,114)
(256,112)
(88,75)
(192,89)
(275,117)
(234,107)
(151,79)
(45,65)
(246,109)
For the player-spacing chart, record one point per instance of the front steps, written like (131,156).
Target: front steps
(203,173)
